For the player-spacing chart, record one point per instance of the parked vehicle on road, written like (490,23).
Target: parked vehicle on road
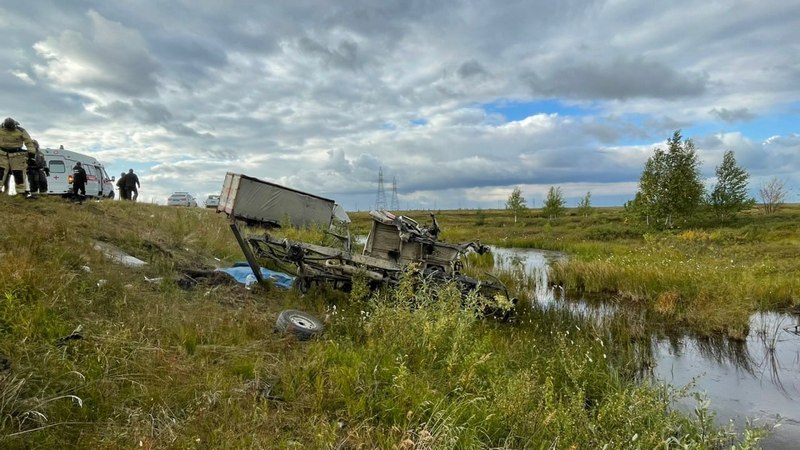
(212,201)
(182,199)
(60,163)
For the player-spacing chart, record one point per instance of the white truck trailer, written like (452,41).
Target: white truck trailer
(263,203)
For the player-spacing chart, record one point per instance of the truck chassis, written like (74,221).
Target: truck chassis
(395,245)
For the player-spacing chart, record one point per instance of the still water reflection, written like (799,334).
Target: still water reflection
(757,379)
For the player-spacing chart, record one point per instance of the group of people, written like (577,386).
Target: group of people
(16,161)
(128,185)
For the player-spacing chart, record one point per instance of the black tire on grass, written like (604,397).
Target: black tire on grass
(303,325)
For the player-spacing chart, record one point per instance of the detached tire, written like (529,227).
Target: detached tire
(304,326)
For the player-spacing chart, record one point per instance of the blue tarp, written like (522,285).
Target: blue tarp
(242,273)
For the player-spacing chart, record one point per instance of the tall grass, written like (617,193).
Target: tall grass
(156,365)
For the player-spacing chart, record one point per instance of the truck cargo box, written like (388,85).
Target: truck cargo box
(261,202)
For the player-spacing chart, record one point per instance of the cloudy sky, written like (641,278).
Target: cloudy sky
(455,102)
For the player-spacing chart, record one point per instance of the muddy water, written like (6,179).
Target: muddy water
(757,380)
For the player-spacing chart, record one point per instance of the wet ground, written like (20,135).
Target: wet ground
(756,380)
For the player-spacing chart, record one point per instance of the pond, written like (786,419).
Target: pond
(757,379)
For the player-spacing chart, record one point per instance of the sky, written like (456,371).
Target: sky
(454,103)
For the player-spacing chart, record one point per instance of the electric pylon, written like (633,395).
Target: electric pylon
(395,200)
(380,199)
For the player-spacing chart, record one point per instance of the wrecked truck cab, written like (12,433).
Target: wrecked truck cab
(400,239)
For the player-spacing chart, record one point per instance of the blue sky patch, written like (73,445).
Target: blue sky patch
(764,127)
(778,123)
(515,110)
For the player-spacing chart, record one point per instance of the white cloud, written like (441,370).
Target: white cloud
(110,59)
(320,95)
(23,76)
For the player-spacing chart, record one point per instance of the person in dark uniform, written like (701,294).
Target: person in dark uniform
(13,159)
(79,182)
(37,172)
(121,185)
(131,185)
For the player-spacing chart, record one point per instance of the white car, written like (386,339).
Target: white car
(212,201)
(181,199)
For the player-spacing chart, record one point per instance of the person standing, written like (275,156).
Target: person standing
(13,159)
(131,185)
(37,172)
(123,193)
(79,182)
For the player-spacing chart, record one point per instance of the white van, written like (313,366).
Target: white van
(60,162)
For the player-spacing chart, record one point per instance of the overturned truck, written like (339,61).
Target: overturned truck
(395,243)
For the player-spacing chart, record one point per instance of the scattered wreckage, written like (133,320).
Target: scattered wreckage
(395,244)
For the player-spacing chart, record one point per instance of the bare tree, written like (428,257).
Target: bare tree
(773,194)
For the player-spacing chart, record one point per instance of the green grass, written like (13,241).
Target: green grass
(162,367)
(706,275)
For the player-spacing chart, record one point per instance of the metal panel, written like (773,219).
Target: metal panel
(251,199)
(227,196)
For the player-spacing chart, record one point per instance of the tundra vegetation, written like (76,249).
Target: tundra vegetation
(700,260)
(707,276)
(99,355)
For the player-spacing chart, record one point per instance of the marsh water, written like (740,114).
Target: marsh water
(755,380)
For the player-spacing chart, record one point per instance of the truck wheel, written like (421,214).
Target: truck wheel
(304,326)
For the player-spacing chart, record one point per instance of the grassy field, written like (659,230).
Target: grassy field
(100,355)
(704,275)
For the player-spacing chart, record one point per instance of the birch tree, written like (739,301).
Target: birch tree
(516,203)
(729,195)
(554,203)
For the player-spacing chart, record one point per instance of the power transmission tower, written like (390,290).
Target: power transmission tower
(395,201)
(380,199)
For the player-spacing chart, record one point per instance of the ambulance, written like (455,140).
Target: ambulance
(61,161)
